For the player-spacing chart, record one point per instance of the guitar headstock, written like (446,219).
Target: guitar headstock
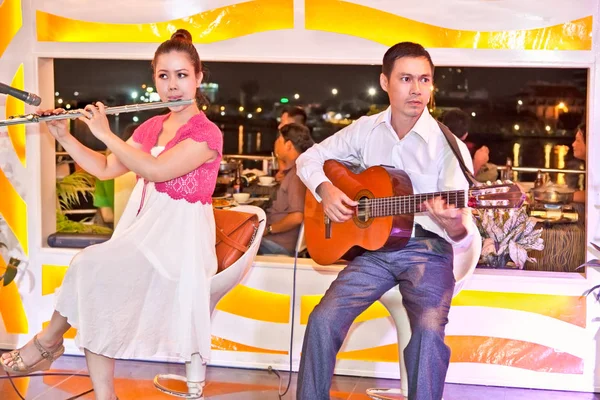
(499,194)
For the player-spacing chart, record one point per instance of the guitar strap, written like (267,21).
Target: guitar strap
(451,138)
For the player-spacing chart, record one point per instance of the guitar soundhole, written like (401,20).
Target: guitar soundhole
(363,214)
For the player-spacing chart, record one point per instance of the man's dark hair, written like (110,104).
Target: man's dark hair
(457,121)
(581,127)
(299,135)
(400,50)
(297,113)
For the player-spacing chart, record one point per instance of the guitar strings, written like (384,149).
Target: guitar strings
(452,196)
(408,203)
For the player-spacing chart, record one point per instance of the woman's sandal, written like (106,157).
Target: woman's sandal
(20,368)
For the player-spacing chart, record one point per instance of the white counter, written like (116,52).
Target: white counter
(507,328)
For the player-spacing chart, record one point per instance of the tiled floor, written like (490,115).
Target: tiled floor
(134,381)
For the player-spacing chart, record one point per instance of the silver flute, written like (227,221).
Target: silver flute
(35,118)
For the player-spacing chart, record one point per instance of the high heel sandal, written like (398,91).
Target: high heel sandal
(20,368)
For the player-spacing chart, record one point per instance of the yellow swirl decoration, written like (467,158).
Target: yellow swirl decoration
(256,304)
(14,211)
(12,207)
(346,18)
(11,306)
(207,27)
(11,20)
(309,302)
(218,343)
(486,350)
(52,277)
(570,309)
(16,133)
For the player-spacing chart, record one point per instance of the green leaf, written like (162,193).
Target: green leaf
(14,262)
(488,247)
(529,227)
(590,291)
(518,254)
(65,225)
(69,188)
(9,275)
(591,263)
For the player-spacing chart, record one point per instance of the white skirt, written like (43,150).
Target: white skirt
(145,292)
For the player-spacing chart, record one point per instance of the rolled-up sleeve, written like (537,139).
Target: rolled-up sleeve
(343,146)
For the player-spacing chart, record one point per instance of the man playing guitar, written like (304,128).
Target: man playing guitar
(406,137)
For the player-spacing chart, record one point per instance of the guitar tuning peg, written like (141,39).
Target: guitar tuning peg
(489,183)
(499,182)
(508,182)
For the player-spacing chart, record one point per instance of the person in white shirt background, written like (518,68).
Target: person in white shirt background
(407,137)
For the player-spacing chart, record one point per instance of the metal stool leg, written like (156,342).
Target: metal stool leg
(385,394)
(195,380)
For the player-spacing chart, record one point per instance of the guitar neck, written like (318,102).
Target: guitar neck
(388,206)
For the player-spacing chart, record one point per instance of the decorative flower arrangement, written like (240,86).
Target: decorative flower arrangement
(595,291)
(508,234)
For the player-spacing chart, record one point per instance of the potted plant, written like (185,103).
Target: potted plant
(68,191)
(507,236)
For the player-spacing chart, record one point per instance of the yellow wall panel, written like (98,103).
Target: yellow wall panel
(207,27)
(11,20)
(14,211)
(388,29)
(256,304)
(52,277)
(11,306)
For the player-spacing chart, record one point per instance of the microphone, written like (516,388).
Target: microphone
(29,98)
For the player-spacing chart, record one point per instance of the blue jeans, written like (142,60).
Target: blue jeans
(423,270)
(270,247)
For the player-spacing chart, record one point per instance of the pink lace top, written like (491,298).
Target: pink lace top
(199,184)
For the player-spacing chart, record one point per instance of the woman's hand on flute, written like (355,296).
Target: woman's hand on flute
(94,116)
(59,129)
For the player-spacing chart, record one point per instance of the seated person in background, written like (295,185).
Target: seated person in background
(292,114)
(287,212)
(289,115)
(104,200)
(580,155)
(104,194)
(458,122)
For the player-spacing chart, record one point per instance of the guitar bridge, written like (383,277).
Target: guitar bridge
(327,228)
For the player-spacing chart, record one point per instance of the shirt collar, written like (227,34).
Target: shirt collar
(385,117)
(423,127)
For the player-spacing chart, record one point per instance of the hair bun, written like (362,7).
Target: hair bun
(182,34)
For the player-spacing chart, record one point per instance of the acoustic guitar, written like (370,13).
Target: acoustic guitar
(383,219)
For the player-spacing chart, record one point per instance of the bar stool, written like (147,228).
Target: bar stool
(220,285)
(465,261)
